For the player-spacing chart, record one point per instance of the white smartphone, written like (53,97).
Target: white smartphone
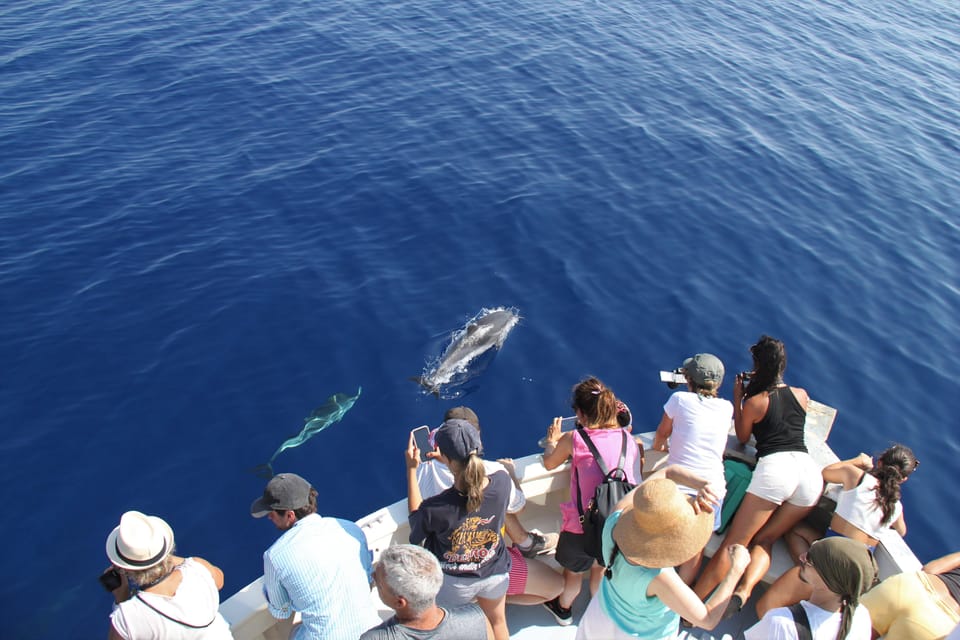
(421,436)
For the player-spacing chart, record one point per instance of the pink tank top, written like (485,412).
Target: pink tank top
(608,442)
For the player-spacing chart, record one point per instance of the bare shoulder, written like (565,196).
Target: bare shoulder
(801,395)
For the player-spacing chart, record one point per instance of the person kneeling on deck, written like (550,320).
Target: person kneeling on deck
(316,567)
(653,529)
(838,571)
(408,578)
(693,430)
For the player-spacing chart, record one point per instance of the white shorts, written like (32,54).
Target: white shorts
(457,590)
(787,476)
(716,509)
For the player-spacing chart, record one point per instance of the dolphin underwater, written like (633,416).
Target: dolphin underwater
(485,332)
(319,419)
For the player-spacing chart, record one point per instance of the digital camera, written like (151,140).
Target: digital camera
(673,378)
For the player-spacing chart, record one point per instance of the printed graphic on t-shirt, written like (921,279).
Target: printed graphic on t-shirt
(472,544)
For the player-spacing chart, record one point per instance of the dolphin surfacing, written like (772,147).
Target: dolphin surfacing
(328,413)
(482,336)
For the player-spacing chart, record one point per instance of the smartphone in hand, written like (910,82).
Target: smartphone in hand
(421,436)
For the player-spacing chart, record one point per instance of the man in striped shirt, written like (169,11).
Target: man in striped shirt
(315,566)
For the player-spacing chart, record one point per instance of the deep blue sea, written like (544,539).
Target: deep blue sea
(216,215)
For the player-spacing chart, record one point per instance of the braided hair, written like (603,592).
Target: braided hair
(893,467)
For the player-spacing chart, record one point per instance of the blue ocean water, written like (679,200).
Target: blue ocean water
(215,216)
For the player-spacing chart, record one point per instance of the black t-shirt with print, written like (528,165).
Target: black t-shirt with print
(467,544)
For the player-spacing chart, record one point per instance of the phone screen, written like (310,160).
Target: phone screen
(421,436)
(568,424)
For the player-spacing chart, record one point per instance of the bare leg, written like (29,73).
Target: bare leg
(783,519)
(787,590)
(596,575)
(688,570)
(496,611)
(749,519)
(543,584)
(514,529)
(799,540)
(571,587)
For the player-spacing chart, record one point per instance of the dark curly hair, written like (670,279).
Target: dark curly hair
(893,467)
(769,361)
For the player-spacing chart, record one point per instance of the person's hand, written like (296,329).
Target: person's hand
(706,500)
(739,557)
(737,389)
(864,461)
(553,431)
(412,453)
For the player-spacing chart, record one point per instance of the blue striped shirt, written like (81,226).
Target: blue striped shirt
(315,568)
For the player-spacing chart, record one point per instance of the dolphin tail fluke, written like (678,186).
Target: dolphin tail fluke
(264,471)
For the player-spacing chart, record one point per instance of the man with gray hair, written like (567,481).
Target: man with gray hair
(408,578)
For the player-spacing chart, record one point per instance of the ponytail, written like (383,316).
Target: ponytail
(473,476)
(893,467)
(846,618)
(596,401)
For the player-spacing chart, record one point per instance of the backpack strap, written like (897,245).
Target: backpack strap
(593,450)
(802,622)
(608,572)
(600,463)
(599,458)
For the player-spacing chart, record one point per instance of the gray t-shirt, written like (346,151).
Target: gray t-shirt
(460,623)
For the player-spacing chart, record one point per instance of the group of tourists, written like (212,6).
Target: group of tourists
(470,553)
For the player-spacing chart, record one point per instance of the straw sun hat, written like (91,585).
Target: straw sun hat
(660,529)
(139,542)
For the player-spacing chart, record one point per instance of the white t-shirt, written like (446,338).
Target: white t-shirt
(699,437)
(778,624)
(195,602)
(434,477)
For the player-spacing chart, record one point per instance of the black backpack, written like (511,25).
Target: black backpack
(606,496)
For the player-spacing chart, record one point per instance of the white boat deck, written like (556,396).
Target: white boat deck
(545,490)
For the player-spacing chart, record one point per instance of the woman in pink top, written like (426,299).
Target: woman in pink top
(595,406)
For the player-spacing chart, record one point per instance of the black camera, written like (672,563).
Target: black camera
(111,580)
(745,376)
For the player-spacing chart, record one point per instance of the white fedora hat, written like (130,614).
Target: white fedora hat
(140,542)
